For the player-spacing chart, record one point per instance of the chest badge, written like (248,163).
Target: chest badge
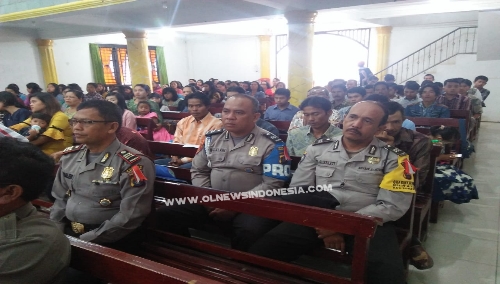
(105,202)
(107,173)
(253,151)
(374,160)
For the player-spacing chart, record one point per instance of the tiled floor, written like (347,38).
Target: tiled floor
(464,242)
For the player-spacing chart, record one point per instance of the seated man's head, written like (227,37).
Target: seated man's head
(197,104)
(381,88)
(234,90)
(40,119)
(392,91)
(281,97)
(317,111)
(395,120)
(95,124)
(465,86)
(389,78)
(239,114)
(355,95)
(24,174)
(351,84)
(364,120)
(452,86)
(338,93)
(411,90)
(319,92)
(429,77)
(369,89)
(91,88)
(429,93)
(480,82)
(372,80)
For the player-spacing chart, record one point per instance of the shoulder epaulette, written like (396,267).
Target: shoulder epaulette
(128,157)
(323,141)
(395,150)
(213,132)
(272,137)
(72,149)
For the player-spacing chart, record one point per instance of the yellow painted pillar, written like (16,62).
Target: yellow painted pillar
(383,44)
(265,49)
(47,60)
(300,47)
(138,57)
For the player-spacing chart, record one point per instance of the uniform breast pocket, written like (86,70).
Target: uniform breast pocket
(369,178)
(217,159)
(324,172)
(250,164)
(105,190)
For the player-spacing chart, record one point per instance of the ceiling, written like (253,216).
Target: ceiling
(217,16)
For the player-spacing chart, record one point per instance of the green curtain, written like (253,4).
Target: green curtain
(95,57)
(161,65)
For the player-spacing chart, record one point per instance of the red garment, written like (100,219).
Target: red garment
(269,92)
(158,90)
(134,140)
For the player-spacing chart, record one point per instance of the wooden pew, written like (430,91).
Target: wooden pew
(176,150)
(215,108)
(467,116)
(115,266)
(146,124)
(362,227)
(172,115)
(281,125)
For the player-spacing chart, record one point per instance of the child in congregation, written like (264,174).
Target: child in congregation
(450,183)
(159,133)
(155,98)
(39,123)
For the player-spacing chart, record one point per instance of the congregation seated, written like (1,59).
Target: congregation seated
(354,95)
(141,92)
(72,99)
(144,110)
(128,118)
(479,83)
(316,112)
(451,98)
(191,130)
(58,134)
(338,92)
(472,94)
(283,110)
(408,124)
(410,94)
(170,99)
(32,249)
(428,107)
(14,89)
(92,93)
(13,111)
(298,118)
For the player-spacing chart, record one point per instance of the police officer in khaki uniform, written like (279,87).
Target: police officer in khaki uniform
(103,189)
(241,157)
(367,177)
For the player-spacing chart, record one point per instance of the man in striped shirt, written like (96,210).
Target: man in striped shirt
(192,129)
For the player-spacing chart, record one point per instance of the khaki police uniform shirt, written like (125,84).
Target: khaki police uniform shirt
(372,182)
(32,249)
(258,162)
(116,201)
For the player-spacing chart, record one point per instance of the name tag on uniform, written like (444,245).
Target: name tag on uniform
(67,175)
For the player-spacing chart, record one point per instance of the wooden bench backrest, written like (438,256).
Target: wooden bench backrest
(116,266)
(424,123)
(147,123)
(429,180)
(174,115)
(171,149)
(281,125)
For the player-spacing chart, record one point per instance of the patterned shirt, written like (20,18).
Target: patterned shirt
(275,113)
(406,102)
(298,119)
(341,105)
(476,104)
(418,147)
(94,96)
(343,111)
(434,110)
(300,138)
(458,102)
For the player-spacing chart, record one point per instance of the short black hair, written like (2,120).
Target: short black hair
(429,75)
(389,77)
(447,133)
(434,87)
(317,102)
(14,88)
(171,90)
(43,116)
(377,98)
(92,84)
(467,82)
(359,90)
(412,85)
(74,86)
(341,87)
(154,95)
(452,80)
(107,110)
(78,94)
(204,99)
(239,90)
(282,92)
(425,83)
(144,86)
(394,107)
(221,83)
(145,103)
(392,85)
(8,99)
(439,84)
(481,77)
(24,164)
(381,83)
(369,86)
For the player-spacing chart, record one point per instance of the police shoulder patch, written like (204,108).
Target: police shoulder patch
(323,141)
(73,149)
(128,157)
(272,137)
(213,132)
(395,150)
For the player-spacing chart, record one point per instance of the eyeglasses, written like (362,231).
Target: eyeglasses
(86,122)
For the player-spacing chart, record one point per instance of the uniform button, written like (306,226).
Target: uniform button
(223,179)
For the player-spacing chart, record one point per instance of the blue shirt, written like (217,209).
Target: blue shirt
(18,116)
(435,110)
(286,114)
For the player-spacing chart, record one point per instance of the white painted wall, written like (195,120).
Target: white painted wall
(489,36)
(20,64)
